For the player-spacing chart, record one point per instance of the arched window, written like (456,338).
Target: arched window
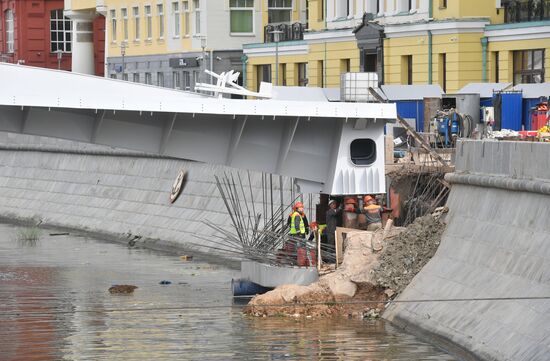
(9,31)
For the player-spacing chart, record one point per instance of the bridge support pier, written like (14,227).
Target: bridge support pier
(82,41)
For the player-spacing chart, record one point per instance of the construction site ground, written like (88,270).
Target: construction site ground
(365,280)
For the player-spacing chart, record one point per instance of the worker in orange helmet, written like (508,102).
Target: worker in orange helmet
(373,213)
(297,221)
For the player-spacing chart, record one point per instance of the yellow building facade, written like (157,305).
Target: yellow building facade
(469,41)
(317,57)
(171,43)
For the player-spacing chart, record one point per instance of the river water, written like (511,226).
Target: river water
(55,305)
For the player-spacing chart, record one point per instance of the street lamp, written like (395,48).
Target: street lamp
(123,46)
(276,34)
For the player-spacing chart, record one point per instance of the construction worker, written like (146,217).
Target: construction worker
(373,213)
(297,221)
(332,220)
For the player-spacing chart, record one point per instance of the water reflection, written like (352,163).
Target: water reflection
(54,305)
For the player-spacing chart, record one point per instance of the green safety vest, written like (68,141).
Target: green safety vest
(302,226)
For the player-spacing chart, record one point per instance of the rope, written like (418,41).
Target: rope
(336,303)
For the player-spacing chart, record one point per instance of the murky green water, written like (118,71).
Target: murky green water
(54,305)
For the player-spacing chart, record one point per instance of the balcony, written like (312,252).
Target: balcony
(516,11)
(289,32)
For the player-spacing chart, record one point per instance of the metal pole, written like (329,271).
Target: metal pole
(123,52)
(277,60)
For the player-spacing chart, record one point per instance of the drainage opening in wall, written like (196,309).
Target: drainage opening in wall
(363,151)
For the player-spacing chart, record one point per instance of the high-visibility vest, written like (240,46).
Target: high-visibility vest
(293,230)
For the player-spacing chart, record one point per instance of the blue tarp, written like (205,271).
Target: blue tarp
(412,109)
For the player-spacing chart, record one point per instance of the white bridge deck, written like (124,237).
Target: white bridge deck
(308,140)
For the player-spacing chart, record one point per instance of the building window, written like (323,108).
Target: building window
(186,81)
(442,4)
(176,17)
(342,9)
(320,74)
(529,66)
(124,14)
(160,14)
(113,25)
(136,77)
(197,8)
(283,74)
(370,62)
(148,21)
(442,70)
(148,79)
(302,74)
(176,80)
(242,16)
(404,6)
(10,40)
(263,74)
(160,79)
(185,9)
(345,65)
(113,76)
(60,32)
(125,76)
(496,62)
(135,11)
(407,69)
(196,78)
(363,151)
(279,11)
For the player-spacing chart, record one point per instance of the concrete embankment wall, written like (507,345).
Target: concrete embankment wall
(496,245)
(112,192)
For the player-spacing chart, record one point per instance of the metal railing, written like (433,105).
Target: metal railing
(288,32)
(516,11)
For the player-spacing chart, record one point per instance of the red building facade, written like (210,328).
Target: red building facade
(33,32)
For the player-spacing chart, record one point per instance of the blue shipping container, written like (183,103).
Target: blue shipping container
(511,115)
(412,109)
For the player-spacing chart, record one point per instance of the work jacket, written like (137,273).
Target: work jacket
(297,225)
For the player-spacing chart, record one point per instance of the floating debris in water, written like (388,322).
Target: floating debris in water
(122,289)
(164,282)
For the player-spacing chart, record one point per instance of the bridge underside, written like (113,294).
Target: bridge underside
(310,141)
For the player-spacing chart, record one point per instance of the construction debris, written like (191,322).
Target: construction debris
(366,278)
(405,255)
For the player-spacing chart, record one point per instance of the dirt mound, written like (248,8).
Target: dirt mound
(404,256)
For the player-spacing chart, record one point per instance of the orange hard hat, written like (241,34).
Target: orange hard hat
(313,225)
(298,205)
(368,199)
